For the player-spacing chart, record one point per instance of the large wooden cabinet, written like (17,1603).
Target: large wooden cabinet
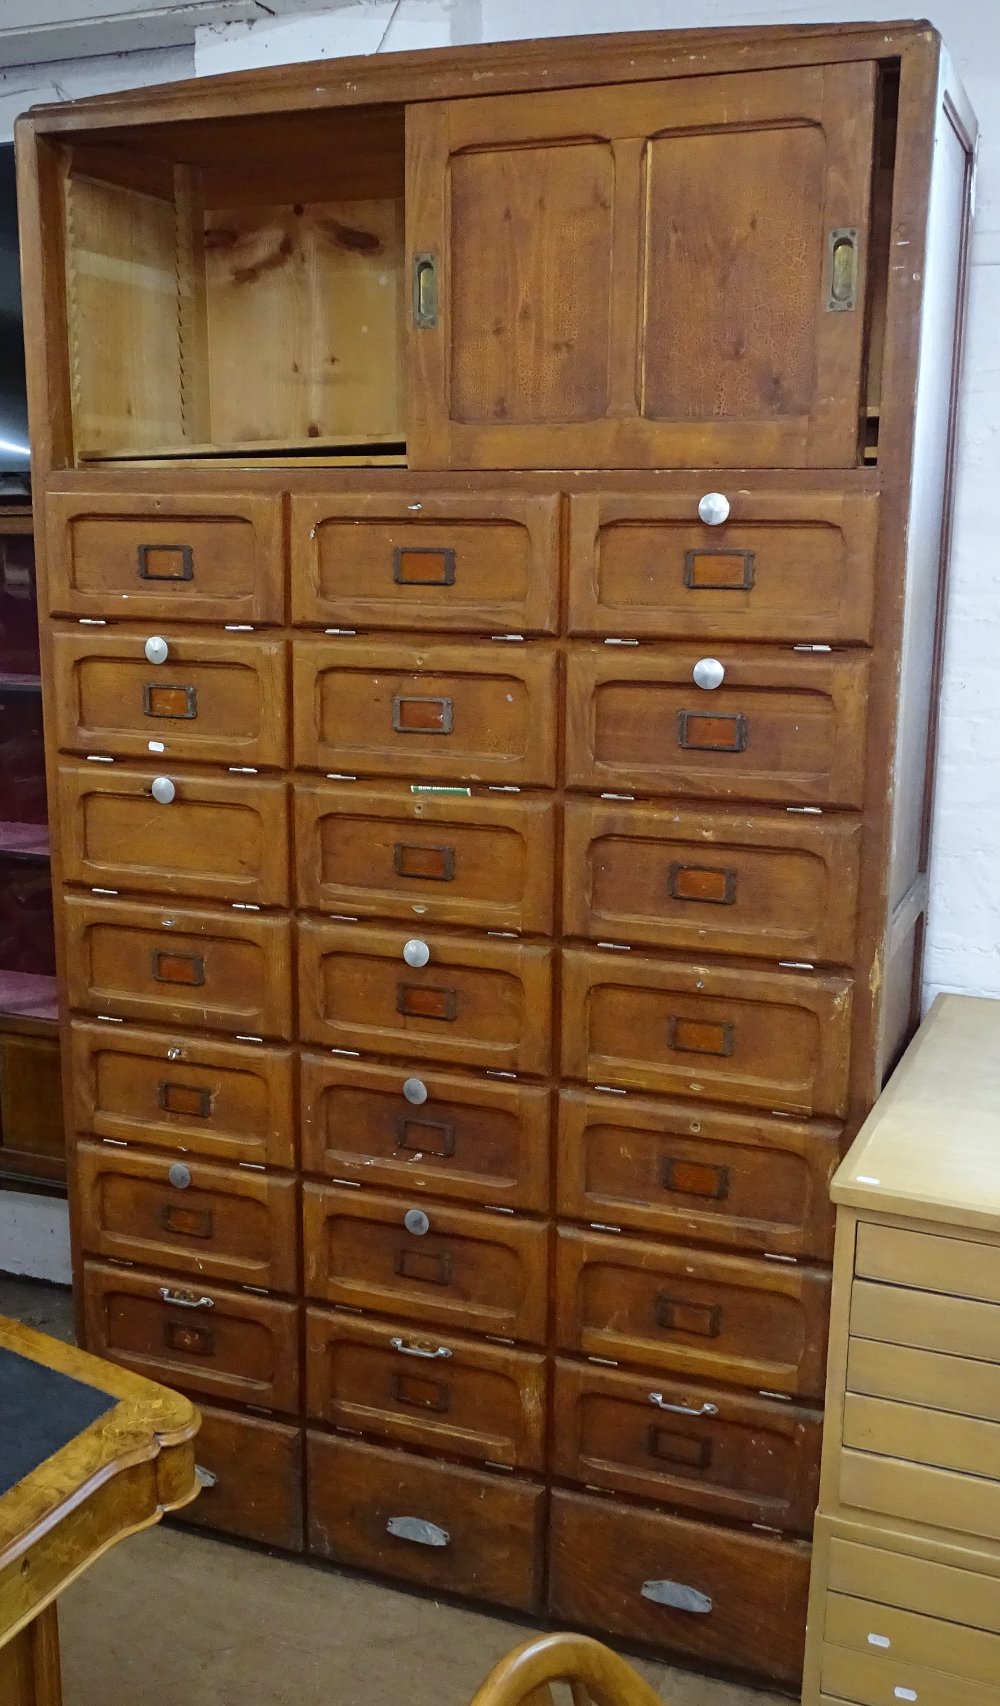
(494,547)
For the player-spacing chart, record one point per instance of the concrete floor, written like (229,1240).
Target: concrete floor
(171,1618)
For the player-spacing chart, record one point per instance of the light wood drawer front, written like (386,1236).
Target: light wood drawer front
(914,1493)
(257,1488)
(426,559)
(208,970)
(903,1638)
(784,726)
(220,837)
(470,1272)
(922,1436)
(765,1039)
(457,1396)
(868,1681)
(783,887)
(785,566)
(427,710)
(227,1101)
(915,1584)
(719,1453)
(478,1140)
(203,1339)
(476,1002)
(626,1570)
(216,699)
(452,1530)
(694,1312)
(955,1267)
(924,1378)
(688,1172)
(484,862)
(955,1325)
(213,1222)
(205,557)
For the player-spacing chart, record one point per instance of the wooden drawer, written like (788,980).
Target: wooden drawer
(957,1503)
(256,1487)
(480,1140)
(874,1681)
(486,862)
(220,837)
(216,699)
(200,557)
(902,1639)
(780,886)
(929,1379)
(696,1312)
(449,1529)
(786,566)
(956,1267)
(477,1273)
(205,1340)
(965,1443)
(716,1452)
(961,1596)
(476,1002)
(956,1326)
(483,560)
(210,970)
(228,1101)
(463,1397)
(429,710)
(785,726)
(693,1172)
(223,1223)
(766,1039)
(720,1596)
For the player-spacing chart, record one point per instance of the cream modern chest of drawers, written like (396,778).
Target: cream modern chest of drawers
(905,1593)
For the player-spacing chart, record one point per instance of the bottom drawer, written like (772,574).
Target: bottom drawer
(878,1681)
(256,1491)
(453,1530)
(724,1597)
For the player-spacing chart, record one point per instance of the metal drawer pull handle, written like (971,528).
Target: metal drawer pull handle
(677,1594)
(708,673)
(714,509)
(186,1299)
(204,1477)
(417,1351)
(682,1409)
(425,290)
(415,1528)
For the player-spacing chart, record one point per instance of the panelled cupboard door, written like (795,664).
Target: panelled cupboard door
(668,274)
(484,861)
(778,885)
(696,1172)
(214,699)
(782,726)
(797,566)
(437,560)
(479,1140)
(420,708)
(218,838)
(226,1101)
(777,1040)
(165,556)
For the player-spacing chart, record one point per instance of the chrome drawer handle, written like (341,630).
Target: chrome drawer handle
(682,1409)
(186,1299)
(415,1528)
(677,1594)
(415,1350)
(204,1477)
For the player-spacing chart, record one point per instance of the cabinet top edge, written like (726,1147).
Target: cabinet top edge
(548,62)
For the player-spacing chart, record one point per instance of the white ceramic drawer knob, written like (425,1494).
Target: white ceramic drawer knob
(416,953)
(163,790)
(416,1221)
(708,673)
(714,509)
(179,1176)
(156,649)
(415,1091)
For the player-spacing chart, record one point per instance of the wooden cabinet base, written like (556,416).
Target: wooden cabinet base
(251,1479)
(29,1664)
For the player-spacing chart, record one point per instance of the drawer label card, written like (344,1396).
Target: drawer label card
(713,883)
(702,1319)
(694,1178)
(165,562)
(426,1137)
(719,570)
(192,1101)
(703,731)
(422,715)
(423,565)
(434,864)
(163,699)
(700,1036)
(418,1001)
(170,967)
